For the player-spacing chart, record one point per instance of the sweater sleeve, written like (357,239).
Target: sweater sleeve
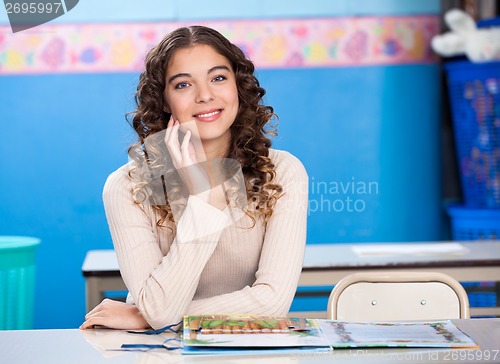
(281,257)
(162,287)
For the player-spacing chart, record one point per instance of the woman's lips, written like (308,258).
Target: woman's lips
(208,116)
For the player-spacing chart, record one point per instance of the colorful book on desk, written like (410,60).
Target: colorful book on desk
(226,333)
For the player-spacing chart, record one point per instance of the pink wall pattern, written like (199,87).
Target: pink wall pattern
(322,42)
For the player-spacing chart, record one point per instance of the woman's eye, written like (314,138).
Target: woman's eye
(181,85)
(219,78)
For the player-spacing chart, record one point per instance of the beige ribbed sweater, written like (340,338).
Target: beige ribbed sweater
(229,269)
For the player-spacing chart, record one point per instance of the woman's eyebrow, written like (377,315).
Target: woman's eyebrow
(171,79)
(218,68)
(213,69)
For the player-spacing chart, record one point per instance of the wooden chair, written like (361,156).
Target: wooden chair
(398,296)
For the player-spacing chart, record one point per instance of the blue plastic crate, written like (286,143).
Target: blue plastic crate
(474,224)
(486,23)
(481,294)
(482,299)
(474,90)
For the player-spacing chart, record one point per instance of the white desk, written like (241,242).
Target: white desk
(326,264)
(96,346)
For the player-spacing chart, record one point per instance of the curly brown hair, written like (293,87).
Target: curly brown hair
(249,144)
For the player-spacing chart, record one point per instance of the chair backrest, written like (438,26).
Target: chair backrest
(398,296)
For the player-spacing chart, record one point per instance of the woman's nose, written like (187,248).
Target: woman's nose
(204,94)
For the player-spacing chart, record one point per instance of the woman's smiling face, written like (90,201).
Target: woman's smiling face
(201,87)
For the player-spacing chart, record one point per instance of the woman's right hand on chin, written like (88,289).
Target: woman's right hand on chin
(185,159)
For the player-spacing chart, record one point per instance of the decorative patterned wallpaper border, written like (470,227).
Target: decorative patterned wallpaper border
(323,42)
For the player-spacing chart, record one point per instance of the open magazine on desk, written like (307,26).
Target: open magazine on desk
(222,334)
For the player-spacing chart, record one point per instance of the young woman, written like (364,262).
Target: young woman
(199,94)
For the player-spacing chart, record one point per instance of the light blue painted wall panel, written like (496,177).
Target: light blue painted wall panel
(65,135)
(298,9)
(371,126)
(88,11)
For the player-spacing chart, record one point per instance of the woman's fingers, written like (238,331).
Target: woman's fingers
(96,309)
(89,323)
(173,138)
(183,154)
(185,160)
(174,146)
(186,155)
(89,314)
(97,316)
(188,150)
(169,129)
(101,313)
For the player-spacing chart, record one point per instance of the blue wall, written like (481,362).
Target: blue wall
(365,127)
(63,134)
(88,11)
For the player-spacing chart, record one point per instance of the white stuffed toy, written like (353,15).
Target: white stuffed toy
(478,44)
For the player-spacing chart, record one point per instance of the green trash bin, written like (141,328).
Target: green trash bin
(17,281)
